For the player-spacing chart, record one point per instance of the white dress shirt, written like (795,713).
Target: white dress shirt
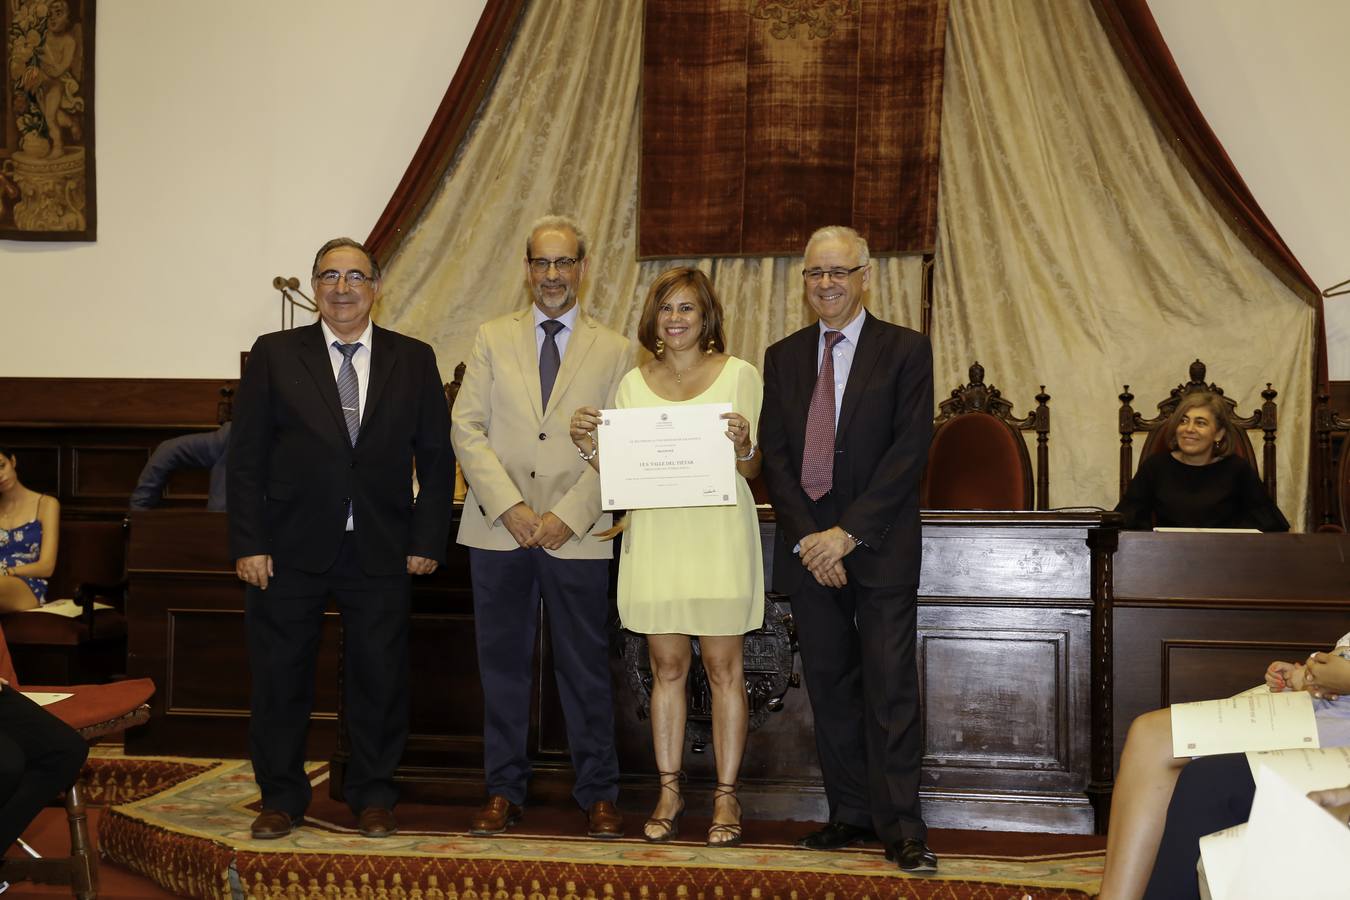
(843,356)
(569,322)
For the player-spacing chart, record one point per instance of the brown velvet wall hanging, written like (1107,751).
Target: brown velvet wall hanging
(762,121)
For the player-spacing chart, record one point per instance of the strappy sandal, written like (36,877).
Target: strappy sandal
(732,830)
(669,826)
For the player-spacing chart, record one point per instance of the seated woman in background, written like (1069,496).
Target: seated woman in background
(29,523)
(1163,805)
(1201,483)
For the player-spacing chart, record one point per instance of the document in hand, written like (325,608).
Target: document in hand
(1251,721)
(666,456)
(1290,847)
(1306,770)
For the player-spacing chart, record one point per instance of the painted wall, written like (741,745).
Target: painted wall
(233,139)
(1270,79)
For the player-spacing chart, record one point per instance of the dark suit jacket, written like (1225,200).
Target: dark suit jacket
(881,446)
(292,467)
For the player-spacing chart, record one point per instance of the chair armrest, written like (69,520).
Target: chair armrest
(89,592)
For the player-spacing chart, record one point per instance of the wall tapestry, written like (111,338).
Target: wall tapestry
(47,158)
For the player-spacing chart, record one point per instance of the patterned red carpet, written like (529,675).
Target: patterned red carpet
(186,828)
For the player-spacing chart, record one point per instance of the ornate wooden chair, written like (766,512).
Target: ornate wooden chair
(978,459)
(1263,418)
(94,711)
(1333,471)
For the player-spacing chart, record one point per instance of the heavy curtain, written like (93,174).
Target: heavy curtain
(1074,250)
(560,133)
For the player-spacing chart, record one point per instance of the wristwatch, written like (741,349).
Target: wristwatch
(857,541)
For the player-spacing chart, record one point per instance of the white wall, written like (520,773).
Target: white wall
(1271,79)
(233,139)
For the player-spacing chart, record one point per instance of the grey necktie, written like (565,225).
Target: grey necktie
(549,358)
(349,389)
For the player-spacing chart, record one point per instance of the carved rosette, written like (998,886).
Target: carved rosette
(52,191)
(817,17)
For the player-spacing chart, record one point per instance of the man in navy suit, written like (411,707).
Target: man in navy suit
(328,421)
(848,410)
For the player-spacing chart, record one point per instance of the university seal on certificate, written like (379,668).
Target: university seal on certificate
(664,456)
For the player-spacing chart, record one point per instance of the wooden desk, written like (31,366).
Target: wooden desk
(1006,606)
(1199,616)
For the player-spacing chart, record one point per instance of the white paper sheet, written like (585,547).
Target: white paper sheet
(1246,722)
(666,456)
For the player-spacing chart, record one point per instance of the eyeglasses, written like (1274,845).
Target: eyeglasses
(815,276)
(355,277)
(564,264)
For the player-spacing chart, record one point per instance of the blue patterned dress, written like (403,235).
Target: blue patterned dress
(21,545)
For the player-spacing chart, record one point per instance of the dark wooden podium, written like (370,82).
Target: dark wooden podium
(1007,603)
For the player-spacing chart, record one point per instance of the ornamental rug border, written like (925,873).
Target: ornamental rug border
(212,811)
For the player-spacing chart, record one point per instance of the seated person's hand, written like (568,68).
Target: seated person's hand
(1328,675)
(1335,801)
(1284,676)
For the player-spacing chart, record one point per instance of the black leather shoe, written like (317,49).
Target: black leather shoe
(835,836)
(913,856)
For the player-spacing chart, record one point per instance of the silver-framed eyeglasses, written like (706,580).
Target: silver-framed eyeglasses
(355,277)
(540,265)
(815,276)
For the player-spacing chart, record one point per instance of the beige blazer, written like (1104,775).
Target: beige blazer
(511,449)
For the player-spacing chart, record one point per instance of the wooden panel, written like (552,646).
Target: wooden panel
(1168,654)
(180,402)
(189,484)
(104,472)
(1174,569)
(39,465)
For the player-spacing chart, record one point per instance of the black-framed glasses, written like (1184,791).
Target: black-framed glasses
(355,277)
(564,264)
(815,276)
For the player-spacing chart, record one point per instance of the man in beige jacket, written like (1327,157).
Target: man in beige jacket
(530,519)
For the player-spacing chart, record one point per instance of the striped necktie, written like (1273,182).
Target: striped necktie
(349,389)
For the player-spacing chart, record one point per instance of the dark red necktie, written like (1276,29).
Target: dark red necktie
(818,454)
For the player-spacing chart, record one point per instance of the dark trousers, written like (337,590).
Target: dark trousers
(1213,793)
(40,756)
(507,588)
(857,648)
(283,625)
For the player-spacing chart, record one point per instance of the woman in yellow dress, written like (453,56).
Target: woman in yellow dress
(691,570)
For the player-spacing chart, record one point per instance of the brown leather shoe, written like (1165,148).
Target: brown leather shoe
(271,824)
(495,816)
(603,820)
(376,822)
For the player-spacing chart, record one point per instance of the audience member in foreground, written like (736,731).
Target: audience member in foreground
(691,570)
(1162,805)
(848,416)
(1201,482)
(40,756)
(30,525)
(329,420)
(529,520)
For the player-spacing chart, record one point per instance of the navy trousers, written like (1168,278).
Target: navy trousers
(1213,793)
(507,588)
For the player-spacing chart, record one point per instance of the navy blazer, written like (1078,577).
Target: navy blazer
(292,468)
(881,447)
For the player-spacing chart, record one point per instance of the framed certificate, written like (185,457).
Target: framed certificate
(664,456)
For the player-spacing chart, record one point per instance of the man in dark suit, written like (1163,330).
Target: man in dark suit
(848,407)
(328,421)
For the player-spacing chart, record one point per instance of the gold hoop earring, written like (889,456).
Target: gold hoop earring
(660,348)
(712,345)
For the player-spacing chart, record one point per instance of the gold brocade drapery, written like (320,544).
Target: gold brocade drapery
(1073,249)
(560,133)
